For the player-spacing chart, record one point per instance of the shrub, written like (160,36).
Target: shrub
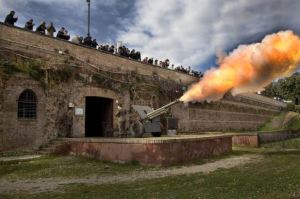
(8,68)
(61,75)
(290,107)
(297,108)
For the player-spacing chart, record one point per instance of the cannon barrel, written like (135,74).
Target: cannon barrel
(160,111)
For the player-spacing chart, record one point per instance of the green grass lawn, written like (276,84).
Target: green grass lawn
(16,153)
(276,176)
(62,166)
(287,144)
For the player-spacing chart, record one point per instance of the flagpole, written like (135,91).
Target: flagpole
(89,11)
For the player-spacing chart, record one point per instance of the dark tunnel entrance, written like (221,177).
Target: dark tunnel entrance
(98,116)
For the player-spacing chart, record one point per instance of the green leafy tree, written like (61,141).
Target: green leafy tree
(287,88)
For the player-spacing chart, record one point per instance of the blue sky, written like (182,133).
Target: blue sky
(188,32)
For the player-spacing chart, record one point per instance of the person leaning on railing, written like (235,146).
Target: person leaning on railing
(10,19)
(63,34)
(41,28)
(122,50)
(88,40)
(29,25)
(51,30)
(94,43)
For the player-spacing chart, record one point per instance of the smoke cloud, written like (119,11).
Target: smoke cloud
(249,68)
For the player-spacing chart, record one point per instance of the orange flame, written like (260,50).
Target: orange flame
(249,68)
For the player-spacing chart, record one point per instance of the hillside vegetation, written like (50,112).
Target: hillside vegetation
(284,121)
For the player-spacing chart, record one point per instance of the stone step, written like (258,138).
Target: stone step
(57,142)
(54,144)
(44,153)
(51,147)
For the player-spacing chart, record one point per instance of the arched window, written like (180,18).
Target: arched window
(27,105)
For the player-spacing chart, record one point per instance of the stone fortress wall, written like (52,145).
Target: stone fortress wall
(12,37)
(223,116)
(243,112)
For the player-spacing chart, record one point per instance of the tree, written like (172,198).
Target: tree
(287,88)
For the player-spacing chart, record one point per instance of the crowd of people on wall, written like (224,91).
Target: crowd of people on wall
(89,41)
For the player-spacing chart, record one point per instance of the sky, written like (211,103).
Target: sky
(187,32)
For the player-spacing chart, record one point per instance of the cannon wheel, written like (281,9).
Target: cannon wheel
(156,134)
(137,129)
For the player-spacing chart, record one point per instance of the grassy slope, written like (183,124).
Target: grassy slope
(277,177)
(261,180)
(71,166)
(294,124)
(60,166)
(282,121)
(17,153)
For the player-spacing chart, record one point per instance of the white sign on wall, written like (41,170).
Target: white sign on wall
(79,111)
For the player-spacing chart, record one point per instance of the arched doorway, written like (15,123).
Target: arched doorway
(98,116)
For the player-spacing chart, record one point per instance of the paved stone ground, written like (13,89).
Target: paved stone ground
(48,184)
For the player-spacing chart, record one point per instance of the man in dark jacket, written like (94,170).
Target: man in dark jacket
(112,49)
(10,19)
(60,33)
(138,56)
(132,54)
(150,61)
(41,28)
(63,34)
(29,25)
(87,40)
(94,43)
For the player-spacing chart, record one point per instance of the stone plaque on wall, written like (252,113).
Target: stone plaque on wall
(79,111)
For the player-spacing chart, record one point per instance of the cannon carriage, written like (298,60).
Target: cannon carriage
(150,120)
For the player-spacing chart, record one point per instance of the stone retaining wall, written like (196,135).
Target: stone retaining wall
(277,136)
(223,116)
(250,140)
(255,139)
(150,151)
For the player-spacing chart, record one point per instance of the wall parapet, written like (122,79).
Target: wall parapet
(102,59)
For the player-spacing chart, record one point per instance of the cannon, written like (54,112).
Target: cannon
(150,121)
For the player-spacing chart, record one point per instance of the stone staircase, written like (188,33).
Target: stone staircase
(52,147)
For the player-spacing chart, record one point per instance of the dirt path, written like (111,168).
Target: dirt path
(47,184)
(19,158)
